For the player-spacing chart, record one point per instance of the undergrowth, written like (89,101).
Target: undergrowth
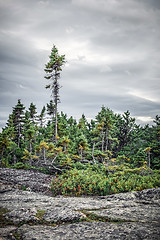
(97,180)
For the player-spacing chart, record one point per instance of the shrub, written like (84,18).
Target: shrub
(80,182)
(94,181)
(21,165)
(79,165)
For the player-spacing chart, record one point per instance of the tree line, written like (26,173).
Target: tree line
(56,140)
(29,137)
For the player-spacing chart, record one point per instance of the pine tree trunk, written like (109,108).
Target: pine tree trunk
(55,123)
(56,102)
(107,140)
(44,155)
(19,134)
(149,161)
(30,149)
(14,159)
(93,152)
(81,154)
(102,142)
(30,146)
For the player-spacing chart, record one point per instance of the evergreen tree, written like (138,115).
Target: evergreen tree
(29,133)
(125,127)
(155,143)
(51,109)
(32,111)
(110,139)
(4,143)
(41,116)
(52,69)
(105,124)
(18,119)
(10,127)
(139,157)
(63,125)
(82,144)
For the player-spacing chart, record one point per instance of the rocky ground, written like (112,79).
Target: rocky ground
(36,215)
(26,179)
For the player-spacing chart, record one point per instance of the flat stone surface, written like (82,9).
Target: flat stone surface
(138,214)
(6,231)
(19,215)
(91,231)
(23,206)
(61,214)
(14,199)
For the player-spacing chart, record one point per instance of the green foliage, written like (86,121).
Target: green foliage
(23,188)
(93,180)
(80,182)
(79,166)
(51,108)
(80,141)
(41,116)
(139,157)
(18,118)
(32,112)
(21,165)
(110,139)
(40,213)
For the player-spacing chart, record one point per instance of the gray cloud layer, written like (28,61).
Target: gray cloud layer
(111,47)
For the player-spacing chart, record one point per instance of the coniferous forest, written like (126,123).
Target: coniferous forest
(109,154)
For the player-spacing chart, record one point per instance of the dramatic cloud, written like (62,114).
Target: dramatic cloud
(111,47)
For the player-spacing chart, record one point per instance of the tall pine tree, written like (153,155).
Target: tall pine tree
(52,69)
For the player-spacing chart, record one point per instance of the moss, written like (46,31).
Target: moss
(3,221)
(40,214)
(93,217)
(23,188)
(17,236)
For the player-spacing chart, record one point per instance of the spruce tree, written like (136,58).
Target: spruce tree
(29,132)
(155,143)
(32,111)
(105,124)
(126,127)
(41,116)
(52,69)
(4,143)
(51,109)
(18,119)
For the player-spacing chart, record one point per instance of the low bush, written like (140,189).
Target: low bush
(94,181)
(80,182)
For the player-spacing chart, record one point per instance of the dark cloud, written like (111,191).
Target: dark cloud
(155,4)
(111,47)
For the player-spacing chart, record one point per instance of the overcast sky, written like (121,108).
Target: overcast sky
(112,49)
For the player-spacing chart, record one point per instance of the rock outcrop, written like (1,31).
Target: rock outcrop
(26,179)
(36,216)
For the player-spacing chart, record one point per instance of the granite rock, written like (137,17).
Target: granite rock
(91,231)
(29,179)
(133,215)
